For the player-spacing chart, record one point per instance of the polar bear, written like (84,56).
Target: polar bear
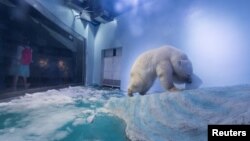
(167,63)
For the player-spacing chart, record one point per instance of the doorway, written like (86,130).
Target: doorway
(112,67)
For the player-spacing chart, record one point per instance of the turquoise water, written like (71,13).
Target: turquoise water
(105,128)
(73,114)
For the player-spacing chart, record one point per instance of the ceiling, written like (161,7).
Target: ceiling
(97,11)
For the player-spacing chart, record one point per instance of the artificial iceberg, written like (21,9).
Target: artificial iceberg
(182,116)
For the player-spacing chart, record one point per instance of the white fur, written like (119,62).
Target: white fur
(168,63)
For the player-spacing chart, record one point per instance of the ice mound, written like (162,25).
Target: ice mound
(182,116)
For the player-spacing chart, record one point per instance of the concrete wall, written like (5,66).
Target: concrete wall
(90,53)
(104,39)
(212,33)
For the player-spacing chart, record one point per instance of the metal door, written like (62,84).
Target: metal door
(112,67)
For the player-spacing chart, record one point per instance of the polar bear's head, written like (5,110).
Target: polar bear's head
(135,84)
(184,70)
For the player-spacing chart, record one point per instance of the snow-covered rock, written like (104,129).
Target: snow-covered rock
(182,116)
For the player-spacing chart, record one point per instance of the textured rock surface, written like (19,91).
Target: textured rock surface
(182,116)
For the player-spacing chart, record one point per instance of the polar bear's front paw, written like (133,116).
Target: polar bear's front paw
(142,93)
(130,94)
(174,89)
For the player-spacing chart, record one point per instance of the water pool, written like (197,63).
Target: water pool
(89,114)
(70,114)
